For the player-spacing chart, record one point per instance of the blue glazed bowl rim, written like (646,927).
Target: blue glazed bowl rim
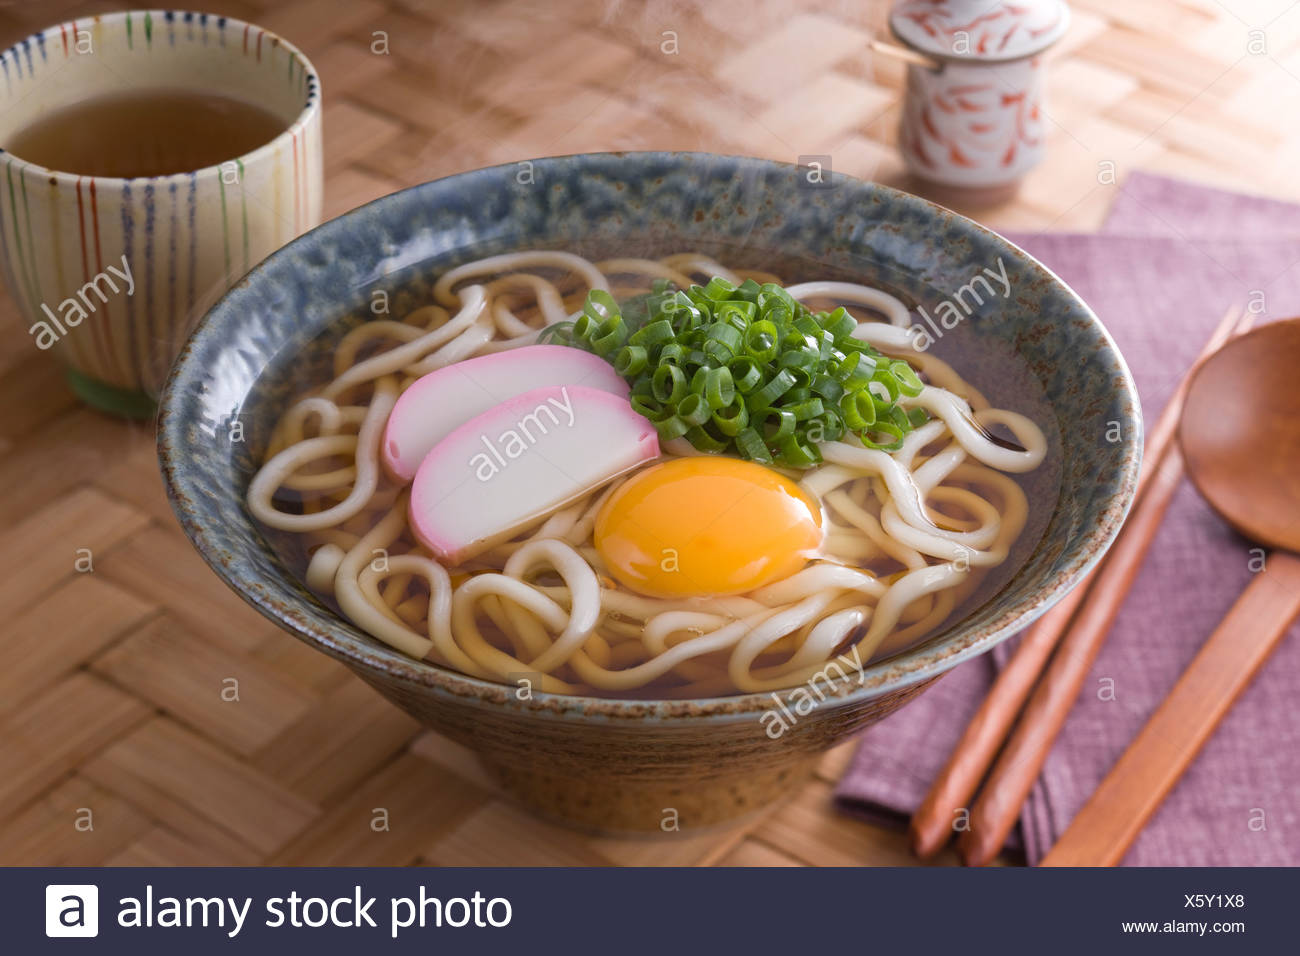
(377,662)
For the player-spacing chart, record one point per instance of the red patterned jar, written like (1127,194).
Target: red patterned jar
(973,118)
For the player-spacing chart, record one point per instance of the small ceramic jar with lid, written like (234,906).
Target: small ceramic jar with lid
(973,121)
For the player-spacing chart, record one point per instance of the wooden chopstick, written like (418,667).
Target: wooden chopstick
(1004,793)
(933,822)
(1102,832)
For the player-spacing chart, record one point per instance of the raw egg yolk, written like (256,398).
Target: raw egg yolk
(706,526)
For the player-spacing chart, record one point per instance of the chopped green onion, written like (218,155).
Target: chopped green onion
(646,407)
(731,419)
(656,333)
(839,324)
(719,289)
(746,375)
(772,389)
(905,375)
(751,446)
(671,427)
(716,386)
(747,291)
(736,314)
(799,453)
(694,410)
(630,360)
(747,370)
(762,341)
(668,384)
(779,422)
(702,440)
(870,438)
(859,410)
(812,408)
(672,354)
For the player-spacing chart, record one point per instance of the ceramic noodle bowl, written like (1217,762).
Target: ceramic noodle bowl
(647,763)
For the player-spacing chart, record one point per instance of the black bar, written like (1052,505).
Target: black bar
(662,911)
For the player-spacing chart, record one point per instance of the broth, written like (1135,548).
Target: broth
(984,360)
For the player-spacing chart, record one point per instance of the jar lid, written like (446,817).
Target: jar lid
(985,31)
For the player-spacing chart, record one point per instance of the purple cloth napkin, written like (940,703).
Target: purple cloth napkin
(1152,205)
(1160,278)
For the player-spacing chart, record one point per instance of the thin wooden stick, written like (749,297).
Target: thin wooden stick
(1003,796)
(906,54)
(932,824)
(1101,833)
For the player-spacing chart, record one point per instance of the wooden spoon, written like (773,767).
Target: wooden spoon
(1240,440)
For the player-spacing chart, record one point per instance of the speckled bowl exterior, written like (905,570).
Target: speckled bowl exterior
(625,764)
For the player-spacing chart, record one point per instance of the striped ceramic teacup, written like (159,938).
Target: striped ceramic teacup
(109,273)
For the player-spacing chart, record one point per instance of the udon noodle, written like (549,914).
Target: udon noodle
(909,534)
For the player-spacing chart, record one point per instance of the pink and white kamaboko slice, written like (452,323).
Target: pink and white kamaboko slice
(519,461)
(436,404)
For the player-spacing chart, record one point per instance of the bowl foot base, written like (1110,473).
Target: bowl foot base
(633,806)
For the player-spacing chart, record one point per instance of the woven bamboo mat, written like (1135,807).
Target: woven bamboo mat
(110,680)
